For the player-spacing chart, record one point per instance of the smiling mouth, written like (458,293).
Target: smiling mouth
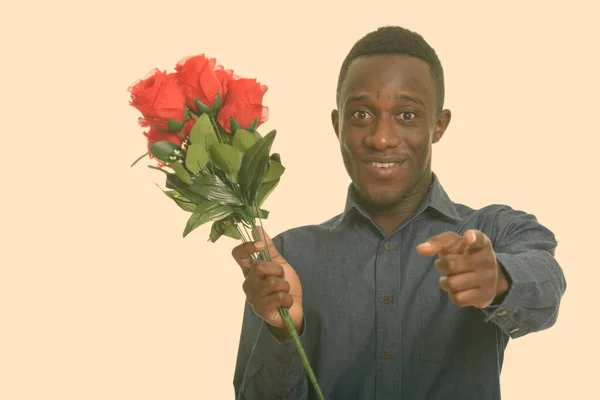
(383,164)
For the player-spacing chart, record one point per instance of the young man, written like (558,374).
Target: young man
(406,294)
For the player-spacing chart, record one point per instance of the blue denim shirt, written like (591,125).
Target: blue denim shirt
(377,324)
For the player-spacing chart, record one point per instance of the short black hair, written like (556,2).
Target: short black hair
(396,40)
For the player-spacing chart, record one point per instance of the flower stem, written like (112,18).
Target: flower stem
(289,323)
(216,128)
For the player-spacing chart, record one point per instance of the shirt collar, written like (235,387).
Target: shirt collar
(436,199)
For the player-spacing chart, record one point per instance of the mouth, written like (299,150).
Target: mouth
(384,164)
(383,170)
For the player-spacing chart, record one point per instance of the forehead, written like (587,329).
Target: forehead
(400,74)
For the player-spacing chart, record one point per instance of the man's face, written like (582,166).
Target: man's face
(386,122)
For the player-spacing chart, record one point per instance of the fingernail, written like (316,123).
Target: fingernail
(259,245)
(473,236)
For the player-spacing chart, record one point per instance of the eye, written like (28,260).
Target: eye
(361,115)
(407,115)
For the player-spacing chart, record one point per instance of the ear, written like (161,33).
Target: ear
(335,121)
(441,124)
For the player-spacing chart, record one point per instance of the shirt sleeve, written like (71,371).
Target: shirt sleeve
(267,368)
(526,251)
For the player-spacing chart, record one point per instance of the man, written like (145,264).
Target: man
(406,294)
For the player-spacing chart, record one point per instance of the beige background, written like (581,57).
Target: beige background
(101,298)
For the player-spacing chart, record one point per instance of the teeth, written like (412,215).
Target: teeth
(382,165)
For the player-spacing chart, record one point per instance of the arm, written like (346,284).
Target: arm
(525,252)
(268,365)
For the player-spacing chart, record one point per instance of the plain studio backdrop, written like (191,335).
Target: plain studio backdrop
(102,298)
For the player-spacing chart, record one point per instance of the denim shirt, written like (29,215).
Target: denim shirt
(378,326)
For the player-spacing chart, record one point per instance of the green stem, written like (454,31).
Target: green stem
(139,158)
(289,323)
(216,128)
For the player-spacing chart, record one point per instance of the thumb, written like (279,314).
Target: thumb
(271,250)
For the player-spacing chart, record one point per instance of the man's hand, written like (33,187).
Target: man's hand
(471,273)
(270,285)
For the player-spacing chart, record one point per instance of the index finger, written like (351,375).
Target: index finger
(478,240)
(242,254)
(444,243)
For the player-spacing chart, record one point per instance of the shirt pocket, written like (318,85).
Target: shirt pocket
(450,334)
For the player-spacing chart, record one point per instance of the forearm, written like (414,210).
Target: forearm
(269,368)
(535,285)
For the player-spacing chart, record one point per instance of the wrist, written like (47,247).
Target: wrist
(283,334)
(503,284)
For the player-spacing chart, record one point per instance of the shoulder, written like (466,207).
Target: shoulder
(501,222)
(307,236)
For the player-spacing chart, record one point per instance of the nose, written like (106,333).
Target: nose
(384,136)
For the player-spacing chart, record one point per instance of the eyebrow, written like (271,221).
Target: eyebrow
(353,99)
(411,99)
(405,97)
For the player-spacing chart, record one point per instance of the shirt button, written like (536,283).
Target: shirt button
(501,313)
(387,299)
(388,245)
(387,354)
(279,359)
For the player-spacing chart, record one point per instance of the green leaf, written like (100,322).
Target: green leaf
(226,157)
(274,171)
(234,125)
(174,182)
(181,172)
(252,126)
(249,213)
(276,157)
(216,231)
(187,113)
(158,169)
(196,157)
(203,133)
(214,189)
(180,200)
(217,103)
(231,230)
(232,176)
(254,167)
(243,140)
(202,107)
(260,213)
(174,126)
(139,158)
(220,228)
(164,149)
(264,190)
(205,212)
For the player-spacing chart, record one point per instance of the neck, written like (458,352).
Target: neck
(390,217)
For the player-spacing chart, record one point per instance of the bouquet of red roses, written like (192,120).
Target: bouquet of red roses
(202,125)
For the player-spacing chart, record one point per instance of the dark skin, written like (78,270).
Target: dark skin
(386,122)
(388,112)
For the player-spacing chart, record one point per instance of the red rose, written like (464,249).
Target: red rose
(187,128)
(244,103)
(159,98)
(155,135)
(201,79)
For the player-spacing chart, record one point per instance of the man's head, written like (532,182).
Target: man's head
(390,101)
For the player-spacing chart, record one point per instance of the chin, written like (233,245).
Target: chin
(382,197)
